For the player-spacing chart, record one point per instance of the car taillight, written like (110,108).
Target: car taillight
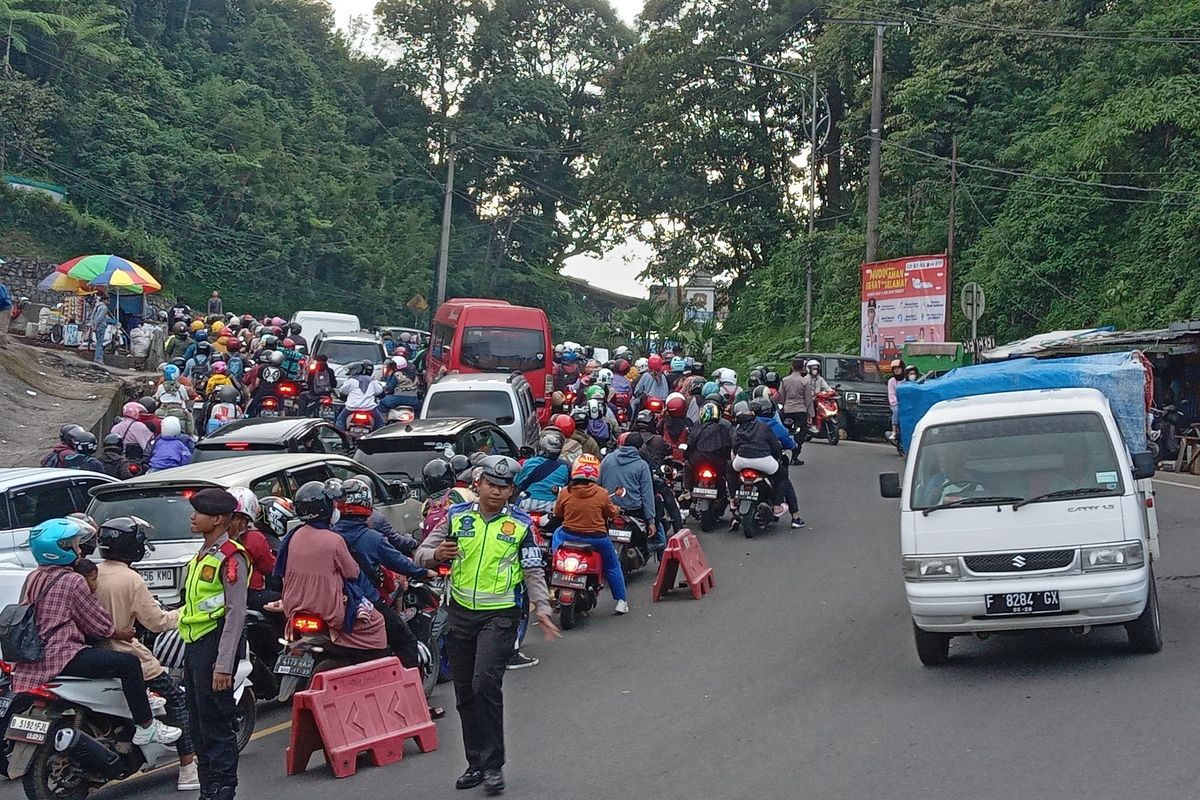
(707,474)
(237,445)
(307,623)
(360,418)
(406,414)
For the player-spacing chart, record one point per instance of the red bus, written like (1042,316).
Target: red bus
(476,335)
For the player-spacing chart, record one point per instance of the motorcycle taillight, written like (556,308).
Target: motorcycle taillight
(360,418)
(568,562)
(750,475)
(270,402)
(326,400)
(707,473)
(307,624)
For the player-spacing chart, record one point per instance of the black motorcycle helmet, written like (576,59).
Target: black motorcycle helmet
(356,498)
(580,415)
(644,420)
(203,348)
(64,433)
(313,503)
(771,379)
(460,464)
(755,378)
(181,330)
(438,475)
(125,539)
(275,514)
(149,403)
(83,442)
(717,398)
(112,442)
(742,411)
(179,361)
(762,407)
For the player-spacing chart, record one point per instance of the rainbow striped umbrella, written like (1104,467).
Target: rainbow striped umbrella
(111,271)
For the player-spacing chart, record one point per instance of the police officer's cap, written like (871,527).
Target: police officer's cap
(214,502)
(500,470)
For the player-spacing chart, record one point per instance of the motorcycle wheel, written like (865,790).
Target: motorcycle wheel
(831,432)
(431,668)
(750,524)
(42,781)
(566,617)
(246,714)
(708,519)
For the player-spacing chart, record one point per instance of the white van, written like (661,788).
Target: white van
(313,322)
(504,398)
(1025,510)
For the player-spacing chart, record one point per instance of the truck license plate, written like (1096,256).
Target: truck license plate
(1022,603)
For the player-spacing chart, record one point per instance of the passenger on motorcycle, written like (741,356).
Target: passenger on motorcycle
(565,426)
(656,450)
(174,397)
(583,513)
(292,359)
(362,393)
(567,372)
(764,409)
(114,461)
(173,448)
(76,449)
(709,443)
(243,529)
(590,446)
(440,477)
(398,387)
(653,383)
(321,383)
(67,615)
(601,424)
(627,477)
(543,475)
(124,594)
(224,410)
(178,343)
(676,425)
(754,445)
(620,383)
(355,501)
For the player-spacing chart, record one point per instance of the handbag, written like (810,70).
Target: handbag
(19,637)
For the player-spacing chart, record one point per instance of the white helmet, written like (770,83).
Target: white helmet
(641,364)
(726,375)
(604,377)
(621,352)
(812,362)
(247,503)
(595,408)
(401,362)
(171,427)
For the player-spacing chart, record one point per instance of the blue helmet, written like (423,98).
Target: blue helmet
(710,388)
(171,372)
(570,356)
(52,542)
(200,335)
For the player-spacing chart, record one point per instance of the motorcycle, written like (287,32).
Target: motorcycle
(633,547)
(309,649)
(289,396)
(620,409)
(325,409)
(576,581)
(825,420)
(754,497)
(706,501)
(1165,424)
(359,424)
(71,736)
(421,605)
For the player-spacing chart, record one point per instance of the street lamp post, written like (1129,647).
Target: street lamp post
(812,179)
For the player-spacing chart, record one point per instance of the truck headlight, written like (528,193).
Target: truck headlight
(1125,555)
(930,569)
(850,397)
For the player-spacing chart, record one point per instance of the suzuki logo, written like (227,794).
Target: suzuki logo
(1019,562)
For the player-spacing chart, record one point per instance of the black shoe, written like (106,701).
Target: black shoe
(223,793)
(493,782)
(469,779)
(519,660)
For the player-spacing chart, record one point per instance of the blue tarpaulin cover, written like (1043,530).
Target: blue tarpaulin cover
(1120,377)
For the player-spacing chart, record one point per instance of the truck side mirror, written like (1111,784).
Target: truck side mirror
(1144,465)
(889,484)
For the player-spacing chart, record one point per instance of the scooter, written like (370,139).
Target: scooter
(359,424)
(325,409)
(620,409)
(289,396)
(825,420)
(707,501)
(576,581)
(420,606)
(309,649)
(754,496)
(633,547)
(71,736)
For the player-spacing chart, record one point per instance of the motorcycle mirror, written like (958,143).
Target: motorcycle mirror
(399,490)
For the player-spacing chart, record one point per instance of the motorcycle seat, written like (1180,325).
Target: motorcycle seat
(582,548)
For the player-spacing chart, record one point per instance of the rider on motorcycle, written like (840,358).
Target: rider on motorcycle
(590,446)
(243,528)
(764,409)
(754,445)
(583,514)
(601,424)
(544,474)
(362,393)
(321,383)
(656,450)
(628,479)
(76,449)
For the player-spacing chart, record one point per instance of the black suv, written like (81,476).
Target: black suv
(862,385)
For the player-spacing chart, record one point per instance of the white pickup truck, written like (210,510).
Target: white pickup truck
(1022,510)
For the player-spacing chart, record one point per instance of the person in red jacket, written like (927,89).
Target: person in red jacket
(262,557)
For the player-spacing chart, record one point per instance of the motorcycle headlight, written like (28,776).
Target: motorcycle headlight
(850,397)
(930,569)
(1125,555)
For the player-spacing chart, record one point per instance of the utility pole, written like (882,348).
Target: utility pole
(444,253)
(950,230)
(876,130)
(812,216)
(8,45)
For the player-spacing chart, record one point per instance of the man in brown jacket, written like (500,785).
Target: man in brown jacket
(795,404)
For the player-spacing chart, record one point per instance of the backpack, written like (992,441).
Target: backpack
(321,382)
(20,639)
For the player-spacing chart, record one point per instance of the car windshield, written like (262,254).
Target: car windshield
(1020,457)
(401,458)
(345,352)
(495,349)
(861,370)
(494,406)
(168,510)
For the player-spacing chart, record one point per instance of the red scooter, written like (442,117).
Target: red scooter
(825,422)
(576,581)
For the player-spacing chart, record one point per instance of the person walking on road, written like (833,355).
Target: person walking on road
(6,304)
(494,561)
(99,321)
(211,623)
(215,304)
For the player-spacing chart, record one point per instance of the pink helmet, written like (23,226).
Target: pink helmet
(278,321)
(219,367)
(132,409)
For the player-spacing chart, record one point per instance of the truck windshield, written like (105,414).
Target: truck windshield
(861,370)
(1037,459)
(500,349)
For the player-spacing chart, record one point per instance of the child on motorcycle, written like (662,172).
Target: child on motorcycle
(582,515)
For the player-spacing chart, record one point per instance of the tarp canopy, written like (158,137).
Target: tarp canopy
(1120,377)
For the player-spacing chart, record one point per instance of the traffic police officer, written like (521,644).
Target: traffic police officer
(211,623)
(494,560)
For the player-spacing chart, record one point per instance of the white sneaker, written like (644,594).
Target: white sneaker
(189,778)
(622,607)
(156,732)
(158,703)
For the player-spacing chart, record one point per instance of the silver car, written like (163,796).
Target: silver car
(161,498)
(32,495)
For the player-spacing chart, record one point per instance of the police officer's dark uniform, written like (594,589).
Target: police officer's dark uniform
(498,561)
(211,623)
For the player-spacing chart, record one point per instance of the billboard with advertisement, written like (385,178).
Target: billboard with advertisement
(903,300)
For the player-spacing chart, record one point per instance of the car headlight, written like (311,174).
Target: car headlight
(930,569)
(850,397)
(1126,555)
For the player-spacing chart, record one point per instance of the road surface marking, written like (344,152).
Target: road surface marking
(1176,483)
(254,737)
(283,726)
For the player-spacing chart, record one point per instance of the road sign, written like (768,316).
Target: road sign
(973,302)
(417,303)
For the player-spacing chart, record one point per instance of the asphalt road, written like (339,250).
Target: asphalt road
(797,677)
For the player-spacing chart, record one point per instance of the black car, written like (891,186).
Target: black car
(273,435)
(400,451)
(861,384)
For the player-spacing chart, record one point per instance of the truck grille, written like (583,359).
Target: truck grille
(879,400)
(1020,562)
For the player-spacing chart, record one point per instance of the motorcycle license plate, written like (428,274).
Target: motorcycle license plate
(27,729)
(327,414)
(701,491)
(269,412)
(566,581)
(747,494)
(5,703)
(358,430)
(300,666)
(619,536)
(1021,603)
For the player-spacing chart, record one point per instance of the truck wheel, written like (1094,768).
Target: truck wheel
(932,648)
(1145,632)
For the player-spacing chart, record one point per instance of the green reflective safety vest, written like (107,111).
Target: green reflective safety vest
(487,573)
(204,592)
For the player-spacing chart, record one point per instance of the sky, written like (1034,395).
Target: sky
(615,270)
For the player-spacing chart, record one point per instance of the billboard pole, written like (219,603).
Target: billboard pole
(950,231)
